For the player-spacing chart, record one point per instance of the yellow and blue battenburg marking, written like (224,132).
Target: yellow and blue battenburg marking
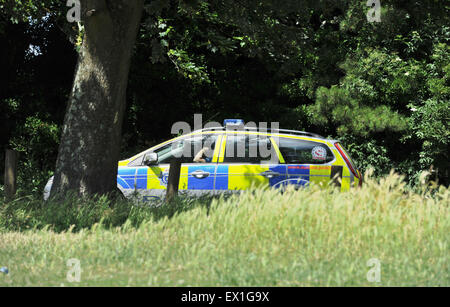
(222,178)
(132,178)
(302,175)
(201,184)
(235,176)
(126,178)
(238,176)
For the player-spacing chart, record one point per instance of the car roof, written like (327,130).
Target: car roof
(264,130)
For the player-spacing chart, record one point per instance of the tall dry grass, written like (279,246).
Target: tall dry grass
(258,238)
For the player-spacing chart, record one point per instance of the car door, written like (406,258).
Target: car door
(306,161)
(247,160)
(195,178)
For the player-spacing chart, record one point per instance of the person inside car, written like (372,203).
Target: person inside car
(205,154)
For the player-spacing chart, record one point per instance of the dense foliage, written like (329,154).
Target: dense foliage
(382,88)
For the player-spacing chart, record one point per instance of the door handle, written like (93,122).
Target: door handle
(270,174)
(200,174)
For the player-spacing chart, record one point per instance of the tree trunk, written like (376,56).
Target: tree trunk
(174,179)
(91,136)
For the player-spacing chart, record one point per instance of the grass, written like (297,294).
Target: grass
(309,237)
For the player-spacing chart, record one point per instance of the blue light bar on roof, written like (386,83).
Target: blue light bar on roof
(233,122)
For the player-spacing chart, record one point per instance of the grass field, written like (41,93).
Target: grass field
(310,237)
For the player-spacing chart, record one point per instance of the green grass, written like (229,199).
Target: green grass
(310,237)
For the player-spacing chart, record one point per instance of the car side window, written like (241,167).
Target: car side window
(297,151)
(184,149)
(166,152)
(199,149)
(241,148)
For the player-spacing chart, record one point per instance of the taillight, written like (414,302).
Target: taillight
(348,161)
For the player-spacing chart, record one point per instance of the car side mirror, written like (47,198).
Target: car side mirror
(150,159)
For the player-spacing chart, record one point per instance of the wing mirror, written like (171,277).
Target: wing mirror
(150,159)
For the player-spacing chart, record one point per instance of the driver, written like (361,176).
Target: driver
(205,154)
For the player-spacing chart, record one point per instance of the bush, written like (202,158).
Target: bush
(37,144)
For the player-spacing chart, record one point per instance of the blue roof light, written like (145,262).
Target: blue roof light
(233,122)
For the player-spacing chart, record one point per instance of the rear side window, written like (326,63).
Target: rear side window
(296,151)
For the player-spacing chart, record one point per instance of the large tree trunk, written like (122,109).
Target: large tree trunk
(91,136)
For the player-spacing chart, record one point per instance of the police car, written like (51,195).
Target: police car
(235,157)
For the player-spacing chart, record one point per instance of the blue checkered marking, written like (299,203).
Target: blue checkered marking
(222,177)
(122,183)
(298,171)
(279,169)
(141,178)
(126,177)
(201,184)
